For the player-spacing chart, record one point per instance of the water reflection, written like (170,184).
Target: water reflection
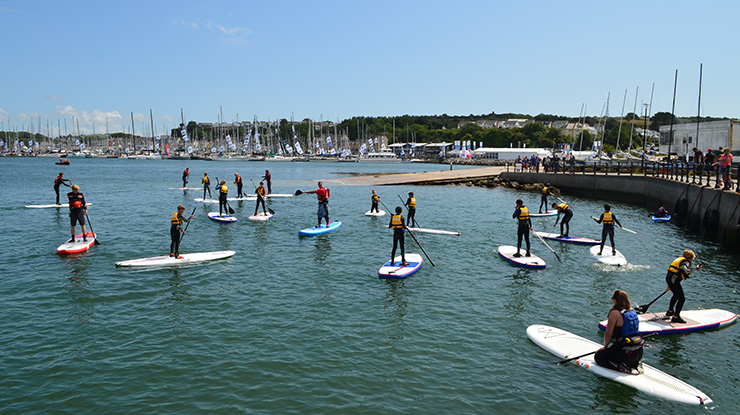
(396,304)
(618,398)
(80,289)
(520,290)
(322,243)
(671,353)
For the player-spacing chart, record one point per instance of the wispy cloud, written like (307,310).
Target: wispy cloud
(169,118)
(53,98)
(183,22)
(232,35)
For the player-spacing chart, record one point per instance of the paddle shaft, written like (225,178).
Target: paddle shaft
(589,353)
(91,229)
(643,308)
(543,241)
(407,208)
(186,226)
(412,235)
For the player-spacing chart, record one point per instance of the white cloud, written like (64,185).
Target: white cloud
(169,118)
(3,113)
(53,98)
(234,35)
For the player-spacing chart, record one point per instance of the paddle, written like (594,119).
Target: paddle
(644,308)
(628,230)
(272,212)
(407,208)
(298,193)
(542,365)
(412,235)
(97,242)
(231,211)
(186,226)
(543,241)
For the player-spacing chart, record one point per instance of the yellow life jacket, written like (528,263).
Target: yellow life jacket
(260,191)
(523,213)
(412,202)
(175,219)
(376,198)
(563,206)
(544,190)
(608,219)
(224,189)
(396,222)
(205,180)
(675,267)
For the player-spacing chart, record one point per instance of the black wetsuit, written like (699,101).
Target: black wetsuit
(175,234)
(398,236)
(239,185)
(57,183)
(411,218)
(543,199)
(260,200)
(185,175)
(608,230)
(268,180)
(77,207)
(522,230)
(222,203)
(567,215)
(374,206)
(624,353)
(206,187)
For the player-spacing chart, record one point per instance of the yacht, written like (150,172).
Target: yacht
(384,156)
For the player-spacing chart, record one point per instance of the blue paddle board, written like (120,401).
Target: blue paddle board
(666,218)
(533,261)
(396,269)
(569,239)
(221,218)
(318,230)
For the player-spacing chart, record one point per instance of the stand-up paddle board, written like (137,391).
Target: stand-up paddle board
(318,230)
(210,201)
(569,239)
(167,261)
(666,218)
(221,218)
(397,269)
(261,217)
(215,201)
(279,195)
(696,320)
(185,188)
(542,215)
(652,381)
(434,231)
(533,261)
(607,257)
(376,214)
(50,206)
(78,245)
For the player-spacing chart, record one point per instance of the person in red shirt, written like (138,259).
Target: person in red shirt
(322,194)
(60,180)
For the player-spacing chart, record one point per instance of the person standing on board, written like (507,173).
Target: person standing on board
(260,191)
(60,180)
(77,211)
(223,192)
(623,326)
(268,179)
(411,205)
(398,225)
(563,208)
(239,185)
(543,199)
(679,270)
(185,175)
(322,194)
(608,219)
(521,213)
(176,220)
(206,185)
(374,199)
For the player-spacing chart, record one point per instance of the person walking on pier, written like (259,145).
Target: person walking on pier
(543,199)
(679,270)
(521,213)
(564,209)
(608,219)
(206,185)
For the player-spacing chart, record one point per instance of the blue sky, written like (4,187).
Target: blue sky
(337,59)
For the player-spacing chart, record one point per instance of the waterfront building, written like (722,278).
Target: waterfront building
(714,134)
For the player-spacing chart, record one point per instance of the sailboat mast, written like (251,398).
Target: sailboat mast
(621,115)
(698,109)
(673,108)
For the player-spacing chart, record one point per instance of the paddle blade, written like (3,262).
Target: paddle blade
(272,212)
(298,192)
(231,211)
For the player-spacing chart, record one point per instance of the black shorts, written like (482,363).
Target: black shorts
(77,216)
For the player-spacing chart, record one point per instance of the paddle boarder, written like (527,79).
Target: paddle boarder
(662,212)
(398,225)
(222,194)
(543,200)
(206,185)
(60,180)
(185,175)
(77,211)
(239,185)
(521,213)
(608,219)
(176,220)
(563,208)
(623,326)
(411,206)
(679,270)
(374,199)
(268,179)
(260,191)
(322,194)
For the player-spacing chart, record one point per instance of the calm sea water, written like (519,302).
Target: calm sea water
(303,325)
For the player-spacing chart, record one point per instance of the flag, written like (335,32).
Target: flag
(184,134)
(127,150)
(289,149)
(257,146)
(228,138)
(363,148)
(82,146)
(190,150)
(328,140)
(221,149)
(213,149)
(77,142)
(30,143)
(298,148)
(332,151)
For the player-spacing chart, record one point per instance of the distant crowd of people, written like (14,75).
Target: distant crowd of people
(549,164)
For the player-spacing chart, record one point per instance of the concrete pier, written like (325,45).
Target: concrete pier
(423,178)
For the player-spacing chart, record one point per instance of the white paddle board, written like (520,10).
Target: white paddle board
(221,218)
(434,231)
(542,215)
(230,199)
(533,261)
(607,257)
(652,381)
(396,269)
(376,214)
(261,217)
(318,230)
(185,188)
(166,261)
(696,320)
(666,218)
(569,239)
(78,245)
(278,195)
(50,206)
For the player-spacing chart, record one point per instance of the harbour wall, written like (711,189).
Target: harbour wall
(710,212)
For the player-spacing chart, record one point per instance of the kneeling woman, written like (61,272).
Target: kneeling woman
(622,325)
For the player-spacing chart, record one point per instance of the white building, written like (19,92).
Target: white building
(714,134)
(509,153)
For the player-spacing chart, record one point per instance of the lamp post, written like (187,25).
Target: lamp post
(644,138)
